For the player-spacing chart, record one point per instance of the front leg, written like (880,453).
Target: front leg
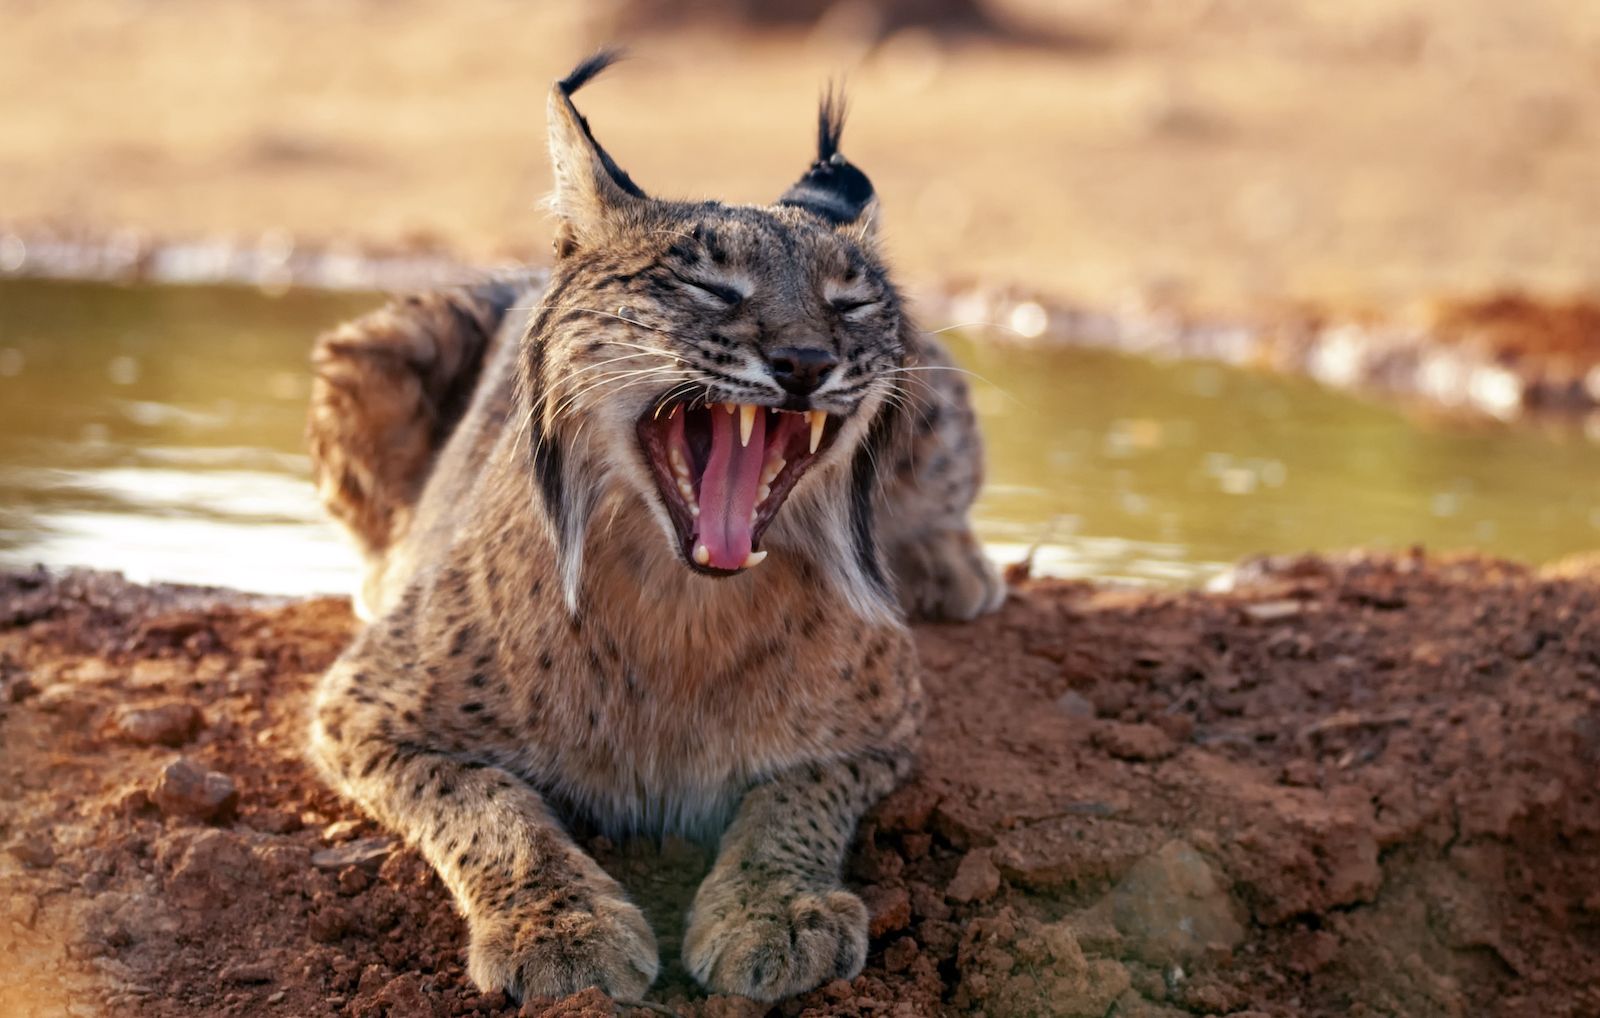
(773,918)
(544,918)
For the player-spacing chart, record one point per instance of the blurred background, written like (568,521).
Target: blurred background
(1362,149)
(1225,155)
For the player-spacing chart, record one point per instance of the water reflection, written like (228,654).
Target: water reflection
(1163,472)
(158,431)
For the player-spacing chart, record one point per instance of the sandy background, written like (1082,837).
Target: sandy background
(1217,151)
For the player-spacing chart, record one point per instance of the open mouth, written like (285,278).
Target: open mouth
(724,470)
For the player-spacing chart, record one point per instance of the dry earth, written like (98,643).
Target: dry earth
(1358,786)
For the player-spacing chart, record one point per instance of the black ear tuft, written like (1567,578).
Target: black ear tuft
(832,188)
(576,79)
(586,71)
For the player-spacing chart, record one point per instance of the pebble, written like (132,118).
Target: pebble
(342,830)
(367,852)
(168,724)
(1173,906)
(246,972)
(1075,705)
(976,878)
(186,789)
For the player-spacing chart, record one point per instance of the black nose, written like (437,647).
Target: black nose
(800,369)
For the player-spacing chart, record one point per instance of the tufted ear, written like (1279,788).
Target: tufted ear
(832,188)
(590,188)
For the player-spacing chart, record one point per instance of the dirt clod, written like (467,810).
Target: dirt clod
(186,789)
(976,878)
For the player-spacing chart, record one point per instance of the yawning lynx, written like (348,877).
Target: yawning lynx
(639,546)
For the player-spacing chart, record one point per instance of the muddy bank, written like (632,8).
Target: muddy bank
(1358,786)
(1505,356)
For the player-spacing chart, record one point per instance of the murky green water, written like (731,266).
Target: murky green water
(158,431)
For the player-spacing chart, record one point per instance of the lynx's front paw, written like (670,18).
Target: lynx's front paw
(944,576)
(564,944)
(768,942)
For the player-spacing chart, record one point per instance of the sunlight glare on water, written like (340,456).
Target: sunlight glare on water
(158,431)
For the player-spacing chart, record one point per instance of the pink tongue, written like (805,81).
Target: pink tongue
(728,490)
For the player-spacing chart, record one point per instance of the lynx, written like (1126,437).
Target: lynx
(640,550)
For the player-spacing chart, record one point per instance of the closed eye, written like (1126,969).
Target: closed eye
(725,294)
(846,305)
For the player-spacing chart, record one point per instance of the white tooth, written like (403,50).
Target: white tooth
(819,420)
(747,422)
(679,467)
(755,558)
(773,468)
(729,408)
(762,493)
(702,554)
(687,491)
(694,510)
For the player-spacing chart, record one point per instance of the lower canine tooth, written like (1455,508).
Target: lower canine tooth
(702,554)
(755,558)
(819,420)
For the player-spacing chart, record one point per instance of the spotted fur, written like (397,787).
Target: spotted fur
(539,651)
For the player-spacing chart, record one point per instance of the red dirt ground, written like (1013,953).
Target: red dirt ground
(1363,786)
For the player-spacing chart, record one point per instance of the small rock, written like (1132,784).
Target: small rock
(1274,611)
(976,878)
(367,852)
(167,724)
(888,907)
(342,830)
(1172,907)
(1136,742)
(277,997)
(246,972)
(1074,704)
(188,790)
(839,989)
(35,851)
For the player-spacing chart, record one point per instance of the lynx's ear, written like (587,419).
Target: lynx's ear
(832,188)
(590,188)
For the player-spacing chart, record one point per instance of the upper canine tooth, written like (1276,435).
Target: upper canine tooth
(819,420)
(747,422)
(755,558)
